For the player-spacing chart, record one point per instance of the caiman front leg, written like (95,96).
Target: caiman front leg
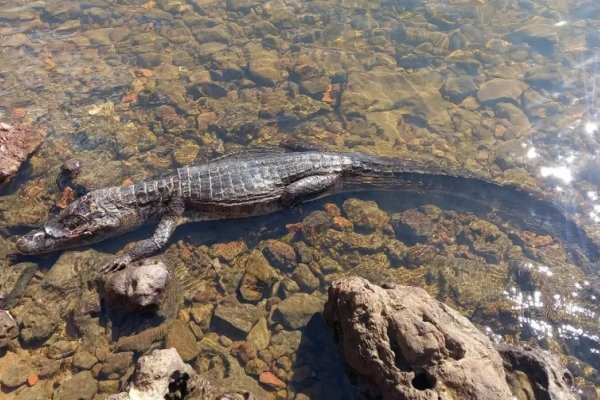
(148,247)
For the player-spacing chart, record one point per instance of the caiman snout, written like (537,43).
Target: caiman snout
(35,242)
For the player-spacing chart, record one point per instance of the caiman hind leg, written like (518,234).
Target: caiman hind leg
(148,247)
(308,188)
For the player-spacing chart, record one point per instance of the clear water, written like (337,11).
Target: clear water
(502,89)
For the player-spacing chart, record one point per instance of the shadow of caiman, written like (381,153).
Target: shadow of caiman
(260,182)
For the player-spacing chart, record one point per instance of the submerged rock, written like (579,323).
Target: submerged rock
(16,145)
(81,386)
(295,311)
(234,317)
(8,328)
(411,346)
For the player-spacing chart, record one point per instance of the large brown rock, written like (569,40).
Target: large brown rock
(548,378)
(412,346)
(16,145)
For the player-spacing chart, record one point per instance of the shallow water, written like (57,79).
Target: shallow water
(502,89)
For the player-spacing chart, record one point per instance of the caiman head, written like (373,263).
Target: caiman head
(84,221)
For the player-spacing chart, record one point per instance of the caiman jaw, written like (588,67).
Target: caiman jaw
(36,242)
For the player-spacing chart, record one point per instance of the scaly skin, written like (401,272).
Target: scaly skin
(238,186)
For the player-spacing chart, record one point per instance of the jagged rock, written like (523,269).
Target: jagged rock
(410,345)
(548,378)
(141,286)
(158,374)
(16,145)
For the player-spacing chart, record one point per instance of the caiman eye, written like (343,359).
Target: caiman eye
(74,221)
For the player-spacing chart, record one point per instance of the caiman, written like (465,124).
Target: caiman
(256,183)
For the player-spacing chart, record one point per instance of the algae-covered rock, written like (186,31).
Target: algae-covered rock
(259,278)
(234,317)
(80,386)
(498,89)
(295,311)
(180,337)
(37,321)
(259,336)
(365,214)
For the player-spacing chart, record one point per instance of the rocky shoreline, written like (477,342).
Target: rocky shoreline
(247,316)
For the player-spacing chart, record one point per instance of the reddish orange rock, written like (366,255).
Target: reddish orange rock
(205,119)
(126,182)
(228,251)
(129,97)
(18,112)
(269,379)
(68,196)
(342,224)
(32,379)
(16,145)
(332,210)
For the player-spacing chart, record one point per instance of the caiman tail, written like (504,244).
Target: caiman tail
(448,187)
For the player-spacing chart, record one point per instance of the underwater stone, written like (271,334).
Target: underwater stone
(180,337)
(498,89)
(13,370)
(280,254)
(365,214)
(305,278)
(116,363)
(295,311)
(62,349)
(259,336)
(258,279)
(231,315)
(8,328)
(84,360)
(459,88)
(81,386)
(37,321)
